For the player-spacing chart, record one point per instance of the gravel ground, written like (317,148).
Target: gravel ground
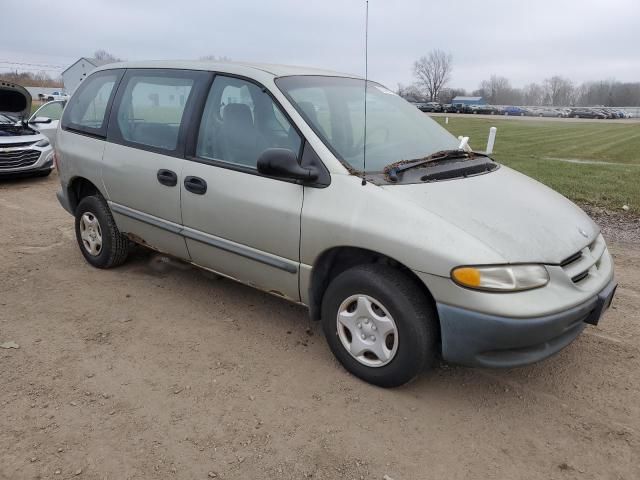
(617,226)
(158,370)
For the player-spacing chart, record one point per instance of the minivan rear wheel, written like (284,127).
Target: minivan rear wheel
(379,324)
(99,239)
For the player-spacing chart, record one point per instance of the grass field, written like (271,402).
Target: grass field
(597,164)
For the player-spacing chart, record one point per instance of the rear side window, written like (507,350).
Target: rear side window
(88,108)
(151,110)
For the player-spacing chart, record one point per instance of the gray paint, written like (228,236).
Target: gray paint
(262,231)
(477,339)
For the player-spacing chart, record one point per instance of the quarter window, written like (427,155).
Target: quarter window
(151,110)
(87,108)
(240,121)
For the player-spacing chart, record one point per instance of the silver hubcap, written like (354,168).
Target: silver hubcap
(367,330)
(91,234)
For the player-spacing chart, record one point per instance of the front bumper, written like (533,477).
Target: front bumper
(476,339)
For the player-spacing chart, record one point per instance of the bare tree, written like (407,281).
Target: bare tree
(560,91)
(446,95)
(105,56)
(533,94)
(498,91)
(411,93)
(433,72)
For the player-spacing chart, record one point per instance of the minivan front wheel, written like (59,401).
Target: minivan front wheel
(379,324)
(99,239)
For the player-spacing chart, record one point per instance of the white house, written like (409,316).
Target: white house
(78,71)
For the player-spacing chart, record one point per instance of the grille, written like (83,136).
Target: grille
(18,158)
(14,145)
(579,265)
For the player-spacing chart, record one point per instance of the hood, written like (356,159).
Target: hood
(519,218)
(15,100)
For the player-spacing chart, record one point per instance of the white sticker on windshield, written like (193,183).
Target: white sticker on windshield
(384,90)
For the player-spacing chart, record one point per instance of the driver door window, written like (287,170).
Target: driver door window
(240,121)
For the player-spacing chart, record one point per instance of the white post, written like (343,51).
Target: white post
(492,140)
(446,120)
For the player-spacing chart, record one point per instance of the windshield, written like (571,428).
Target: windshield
(334,108)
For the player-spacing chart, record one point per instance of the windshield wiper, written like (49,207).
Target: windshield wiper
(395,168)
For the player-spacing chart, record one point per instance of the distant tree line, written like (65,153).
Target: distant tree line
(43,79)
(30,79)
(433,71)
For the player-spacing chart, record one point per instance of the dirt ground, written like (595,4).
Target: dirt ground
(158,370)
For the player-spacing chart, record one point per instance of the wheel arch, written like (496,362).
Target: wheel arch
(336,260)
(79,188)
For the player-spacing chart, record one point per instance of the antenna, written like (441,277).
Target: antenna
(366,81)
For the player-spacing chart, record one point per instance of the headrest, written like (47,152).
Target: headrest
(309,110)
(238,114)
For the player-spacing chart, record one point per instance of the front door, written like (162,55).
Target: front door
(53,112)
(236,221)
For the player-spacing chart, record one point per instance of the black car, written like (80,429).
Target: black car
(484,109)
(586,113)
(455,108)
(430,107)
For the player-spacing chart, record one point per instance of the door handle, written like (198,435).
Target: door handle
(195,185)
(167,177)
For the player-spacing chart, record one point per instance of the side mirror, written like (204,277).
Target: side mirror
(282,162)
(40,120)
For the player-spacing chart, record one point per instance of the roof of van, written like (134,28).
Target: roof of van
(230,67)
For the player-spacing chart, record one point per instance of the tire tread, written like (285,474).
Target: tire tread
(118,244)
(418,317)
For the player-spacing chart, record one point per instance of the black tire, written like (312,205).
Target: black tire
(412,311)
(115,246)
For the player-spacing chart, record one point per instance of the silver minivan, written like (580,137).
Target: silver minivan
(404,245)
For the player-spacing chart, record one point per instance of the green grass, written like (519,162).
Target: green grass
(538,148)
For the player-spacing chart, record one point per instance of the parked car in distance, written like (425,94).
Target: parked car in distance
(545,112)
(440,252)
(454,107)
(511,110)
(24,151)
(46,118)
(430,107)
(484,109)
(57,96)
(581,112)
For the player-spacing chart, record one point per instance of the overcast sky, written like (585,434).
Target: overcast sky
(524,40)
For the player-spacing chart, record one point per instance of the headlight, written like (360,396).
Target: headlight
(43,143)
(503,278)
